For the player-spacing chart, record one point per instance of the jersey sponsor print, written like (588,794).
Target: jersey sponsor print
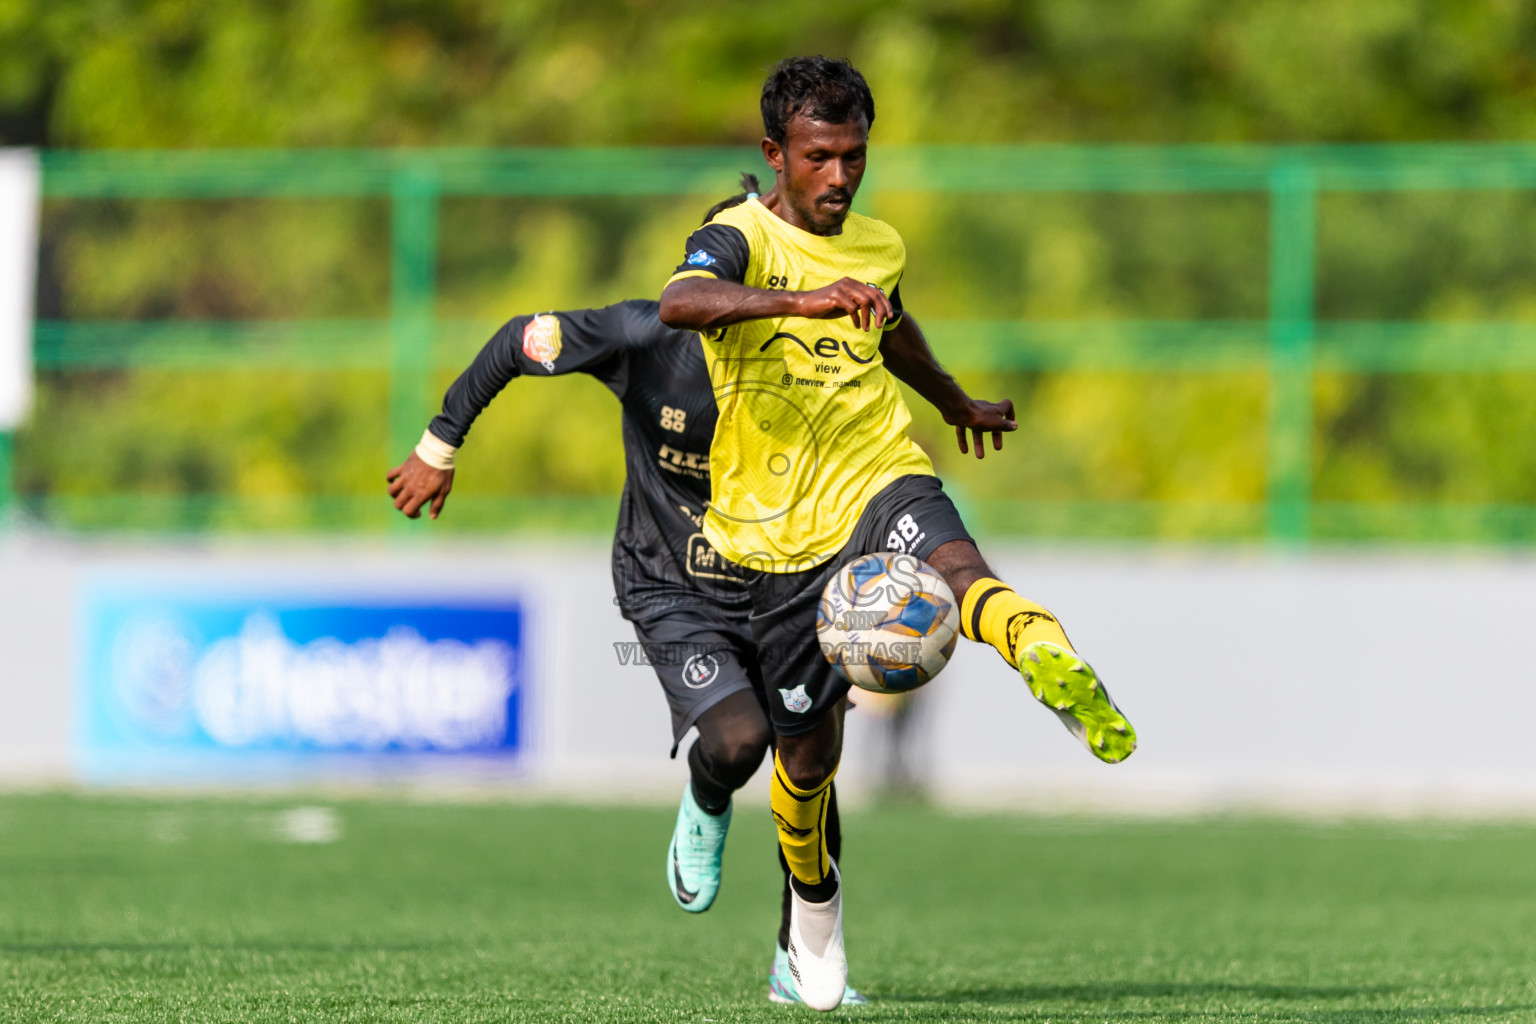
(810,423)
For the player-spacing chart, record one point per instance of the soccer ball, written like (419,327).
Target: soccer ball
(888,622)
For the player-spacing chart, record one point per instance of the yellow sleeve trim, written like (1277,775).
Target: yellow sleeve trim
(894,321)
(681,274)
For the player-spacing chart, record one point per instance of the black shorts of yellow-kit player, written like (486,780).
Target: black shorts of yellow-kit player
(911,514)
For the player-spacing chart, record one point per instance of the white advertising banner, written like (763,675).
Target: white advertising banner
(20,192)
(503,662)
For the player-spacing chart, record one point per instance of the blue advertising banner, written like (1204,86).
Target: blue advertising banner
(269,679)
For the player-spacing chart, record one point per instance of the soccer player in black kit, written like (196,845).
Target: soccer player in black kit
(688,605)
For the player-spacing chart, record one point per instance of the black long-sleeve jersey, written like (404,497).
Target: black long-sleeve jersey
(661,561)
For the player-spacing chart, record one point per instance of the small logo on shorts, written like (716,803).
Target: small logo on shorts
(700,670)
(796,700)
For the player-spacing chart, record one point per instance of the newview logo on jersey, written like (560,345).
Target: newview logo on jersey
(229,678)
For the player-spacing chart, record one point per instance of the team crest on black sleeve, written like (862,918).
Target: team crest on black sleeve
(700,670)
(541,340)
(700,258)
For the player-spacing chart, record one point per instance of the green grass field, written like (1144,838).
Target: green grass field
(159,909)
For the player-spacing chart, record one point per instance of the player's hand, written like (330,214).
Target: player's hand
(414,484)
(865,304)
(981,418)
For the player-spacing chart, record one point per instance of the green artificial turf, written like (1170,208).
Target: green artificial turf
(157,909)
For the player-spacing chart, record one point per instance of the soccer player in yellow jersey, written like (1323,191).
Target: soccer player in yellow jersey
(798,302)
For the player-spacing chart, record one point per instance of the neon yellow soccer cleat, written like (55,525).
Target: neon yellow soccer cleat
(1067,685)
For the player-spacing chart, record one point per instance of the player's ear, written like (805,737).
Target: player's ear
(774,154)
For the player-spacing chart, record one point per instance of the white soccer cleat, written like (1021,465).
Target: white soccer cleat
(816,958)
(781,984)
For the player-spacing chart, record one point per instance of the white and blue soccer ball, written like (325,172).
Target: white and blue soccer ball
(888,622)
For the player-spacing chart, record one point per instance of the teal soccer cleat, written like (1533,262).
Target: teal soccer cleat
(693,858)
(781,984)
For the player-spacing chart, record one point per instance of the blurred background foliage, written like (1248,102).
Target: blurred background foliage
(406,73)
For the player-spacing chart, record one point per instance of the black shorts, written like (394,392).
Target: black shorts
(701,659)
(911,514)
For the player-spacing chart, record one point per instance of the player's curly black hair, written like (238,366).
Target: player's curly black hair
(827,90)
(750,188)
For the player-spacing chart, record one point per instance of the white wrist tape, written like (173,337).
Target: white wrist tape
(434,451)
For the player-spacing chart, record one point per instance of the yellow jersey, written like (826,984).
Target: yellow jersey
(811,425)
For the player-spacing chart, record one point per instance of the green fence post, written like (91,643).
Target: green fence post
(7,472)
(1292,256)
(412,306)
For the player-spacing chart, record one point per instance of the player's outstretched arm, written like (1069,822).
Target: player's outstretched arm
(589,341)
(413,485)
(906,354)
(708,303)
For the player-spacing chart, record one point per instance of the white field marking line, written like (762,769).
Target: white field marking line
(307,825)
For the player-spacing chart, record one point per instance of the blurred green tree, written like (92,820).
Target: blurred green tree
(399,73)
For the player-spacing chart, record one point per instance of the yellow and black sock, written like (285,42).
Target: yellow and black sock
(801,815)
(993,613)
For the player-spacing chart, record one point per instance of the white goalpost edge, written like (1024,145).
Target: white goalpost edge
(20,194)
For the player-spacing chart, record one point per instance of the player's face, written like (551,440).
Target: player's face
(819,168)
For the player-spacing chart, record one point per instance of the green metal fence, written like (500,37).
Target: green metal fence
(1291,345)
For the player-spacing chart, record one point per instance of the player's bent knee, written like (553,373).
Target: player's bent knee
(741,755)
(747,752)
(807,773)
(734,746)
(810,758)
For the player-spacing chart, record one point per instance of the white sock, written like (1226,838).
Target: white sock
(818,921)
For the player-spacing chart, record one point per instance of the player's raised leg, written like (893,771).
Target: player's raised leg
(733,738)
(1031,640)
